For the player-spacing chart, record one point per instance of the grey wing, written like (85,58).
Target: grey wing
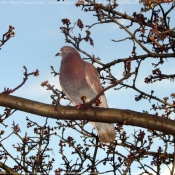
(93,80)
(106,131)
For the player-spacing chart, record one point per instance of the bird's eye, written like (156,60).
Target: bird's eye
(65,49)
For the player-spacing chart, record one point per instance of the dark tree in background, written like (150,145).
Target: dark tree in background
(151,31)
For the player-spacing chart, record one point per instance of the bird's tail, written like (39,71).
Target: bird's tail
(106,131)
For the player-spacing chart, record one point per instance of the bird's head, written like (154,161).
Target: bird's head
(65,50)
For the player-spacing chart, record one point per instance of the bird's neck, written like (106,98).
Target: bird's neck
(72,64)
(76,59)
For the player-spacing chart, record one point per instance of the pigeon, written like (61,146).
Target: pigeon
(77,78)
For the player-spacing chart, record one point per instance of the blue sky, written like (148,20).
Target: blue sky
(38,39)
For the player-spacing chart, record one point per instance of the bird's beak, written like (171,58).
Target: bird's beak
(58,54)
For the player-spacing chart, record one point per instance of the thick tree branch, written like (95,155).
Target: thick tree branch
(107,115)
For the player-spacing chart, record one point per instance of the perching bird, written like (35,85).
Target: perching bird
(78,78)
